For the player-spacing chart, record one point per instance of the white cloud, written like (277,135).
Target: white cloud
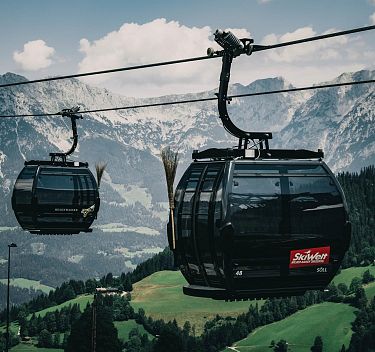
(372,17)
(264,1)
(159,40)
(36,55)
(305,64)
(322,49)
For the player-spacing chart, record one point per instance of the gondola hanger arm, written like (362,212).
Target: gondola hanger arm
(73,114)
(233,47)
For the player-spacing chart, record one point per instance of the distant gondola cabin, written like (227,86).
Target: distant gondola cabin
(55,198)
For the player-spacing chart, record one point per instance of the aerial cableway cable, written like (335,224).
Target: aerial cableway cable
(188,101)
(199,58)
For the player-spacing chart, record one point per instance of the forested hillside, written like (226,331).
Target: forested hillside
(359,189)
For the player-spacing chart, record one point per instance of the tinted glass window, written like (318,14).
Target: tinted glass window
(187,203)
(65,182)
(24,185)
(207,185)
(27,173)
(67,189)
(65,170)
(191,185)
(60,182)
(306,169)
(218,209)
(185,225)
(204,202)
(280,168)
(185,195)
(255,205)
(316,206)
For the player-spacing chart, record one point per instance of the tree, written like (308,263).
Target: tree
(122,309)
(363,338)
(355,284)
(318,345)
(169,340)
(67,294)
(106,332)
(65,340)
(187,328)
(90,286)
(367,277)
(342,288)
(23,322)
(79,339)
(56,340)
(134,344)
(108,280)
(45,339)
(360,299)
(281,346)
(127,284)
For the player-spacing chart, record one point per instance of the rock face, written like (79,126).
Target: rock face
(339,120)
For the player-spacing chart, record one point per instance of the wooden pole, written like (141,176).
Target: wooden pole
(173,230)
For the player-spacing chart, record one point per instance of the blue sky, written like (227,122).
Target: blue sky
(65,37)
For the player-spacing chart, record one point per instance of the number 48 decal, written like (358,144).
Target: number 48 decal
(239,273)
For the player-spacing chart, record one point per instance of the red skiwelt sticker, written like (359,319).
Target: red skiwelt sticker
(309,257)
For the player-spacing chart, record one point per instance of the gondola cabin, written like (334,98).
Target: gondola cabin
(259,228)
(55,197)
(256,222)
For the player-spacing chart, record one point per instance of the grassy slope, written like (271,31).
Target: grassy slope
(370,290)
(13,327)
(23,347)
(347,275)
(160,295)
(81,300)
(26,283)
(124,327)
(329,320)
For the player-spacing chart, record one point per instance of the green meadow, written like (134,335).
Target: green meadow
(26,283)
(332,321)
(160,295)
(80,300)
(347,275)
(26,347)
(124,327)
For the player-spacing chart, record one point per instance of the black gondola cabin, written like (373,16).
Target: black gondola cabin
(259,228)
(55,197)
(254,222)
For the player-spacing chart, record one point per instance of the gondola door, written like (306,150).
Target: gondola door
(288,227)
(318,224)
(257,199)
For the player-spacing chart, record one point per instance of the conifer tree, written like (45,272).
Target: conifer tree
(80,338)
(318,345)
